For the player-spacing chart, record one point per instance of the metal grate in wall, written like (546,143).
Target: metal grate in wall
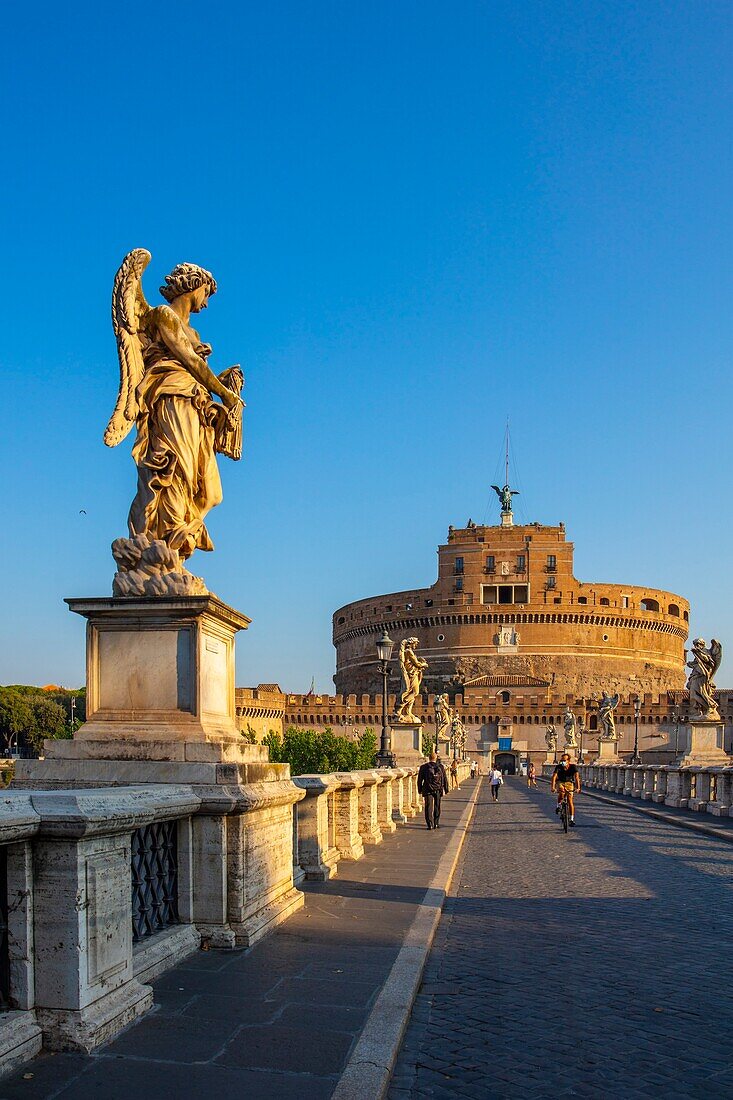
(154,869)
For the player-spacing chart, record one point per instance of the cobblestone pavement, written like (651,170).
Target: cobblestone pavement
(596,965)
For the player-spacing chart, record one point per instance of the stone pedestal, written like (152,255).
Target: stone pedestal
(703,744)
(385,804)
(607,752)
(160,709)
(407,744)
(348,840)
(317,851)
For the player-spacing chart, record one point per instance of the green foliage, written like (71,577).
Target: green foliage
(30,715)
(318,752)
(249,736)
(428,743)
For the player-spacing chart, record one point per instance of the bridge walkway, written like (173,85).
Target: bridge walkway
(597,964)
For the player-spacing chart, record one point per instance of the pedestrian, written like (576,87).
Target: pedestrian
(473,769)
(531,775)
(432,784)
(454,784)
(495,781)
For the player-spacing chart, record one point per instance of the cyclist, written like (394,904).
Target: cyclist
(566,781)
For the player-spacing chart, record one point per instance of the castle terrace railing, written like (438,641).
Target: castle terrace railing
(697,788)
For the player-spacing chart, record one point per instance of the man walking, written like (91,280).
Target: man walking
(432,784)
(495,781)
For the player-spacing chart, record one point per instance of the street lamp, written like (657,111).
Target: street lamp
(385,759)
(676,719)
(637,711)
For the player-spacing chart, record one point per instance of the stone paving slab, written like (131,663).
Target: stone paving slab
(278,1020)
(596,964)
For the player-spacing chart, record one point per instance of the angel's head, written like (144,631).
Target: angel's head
(189,279)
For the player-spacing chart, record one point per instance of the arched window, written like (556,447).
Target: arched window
(673,609)
(593,724)
(505,696)
(686,616)
(604,601)
(648,604)
(582,599)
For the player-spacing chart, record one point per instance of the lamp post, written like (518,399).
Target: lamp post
(676,719)
(637,711)
(385,759)
(73,712)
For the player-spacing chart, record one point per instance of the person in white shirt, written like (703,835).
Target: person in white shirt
(495,780)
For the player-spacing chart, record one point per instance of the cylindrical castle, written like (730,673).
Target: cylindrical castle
(506,604)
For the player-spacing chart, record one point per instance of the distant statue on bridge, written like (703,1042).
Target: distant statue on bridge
(704,664)
(413,669)
(606,719)
(442,718)
(505,496)
(551,738)
(571,741)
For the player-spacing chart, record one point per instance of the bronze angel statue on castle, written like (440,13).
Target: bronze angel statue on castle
(168,391)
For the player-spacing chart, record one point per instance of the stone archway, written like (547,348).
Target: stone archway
(506,762)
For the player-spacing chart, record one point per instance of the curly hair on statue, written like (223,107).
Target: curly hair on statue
(187,277)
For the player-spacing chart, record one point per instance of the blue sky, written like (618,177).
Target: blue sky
(423,217)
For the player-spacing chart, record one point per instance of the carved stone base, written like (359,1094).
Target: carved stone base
(87,1028)
(607,752)
(703,744)
(407,743)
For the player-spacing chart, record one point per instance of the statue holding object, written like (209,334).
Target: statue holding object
(413,670)
(704,664)
(167,391)
(571,741)
(606,720)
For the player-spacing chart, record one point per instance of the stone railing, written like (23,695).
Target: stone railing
(344,811)
(98,899)
(103,889)
(697,788)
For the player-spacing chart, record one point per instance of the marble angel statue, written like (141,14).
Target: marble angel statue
(704,664)
(413,669)
(443,714)
(551,738)
(167,392)
(606,720)
(568,722)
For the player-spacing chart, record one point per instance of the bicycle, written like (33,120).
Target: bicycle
(564,811)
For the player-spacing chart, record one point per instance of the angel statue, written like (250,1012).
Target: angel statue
(551,738)
(568,722)
(442,717)
(606,706)
(505,496)
(704,664)
(167,390)
(413,669)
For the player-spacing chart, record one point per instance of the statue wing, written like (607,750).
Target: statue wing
(614,700)
(716,652)
(496,489)
(128,310)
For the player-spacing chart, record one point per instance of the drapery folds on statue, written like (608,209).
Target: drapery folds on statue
(168,391)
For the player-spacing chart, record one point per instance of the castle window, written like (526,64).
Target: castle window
(490,563)
(551,582)
(521,593)
(506,593)
(604,601)
(488,593)
(686,616)
(441,637)
(521,563)
(624,601)
(458,584)
(649,604)
(673,609)
(582,599)
(551,563)
(341,620)
(505,697)
(458,565)
(428,603)
(558,599)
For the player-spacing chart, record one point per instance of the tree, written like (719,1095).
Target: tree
(321,751)
(48,720)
